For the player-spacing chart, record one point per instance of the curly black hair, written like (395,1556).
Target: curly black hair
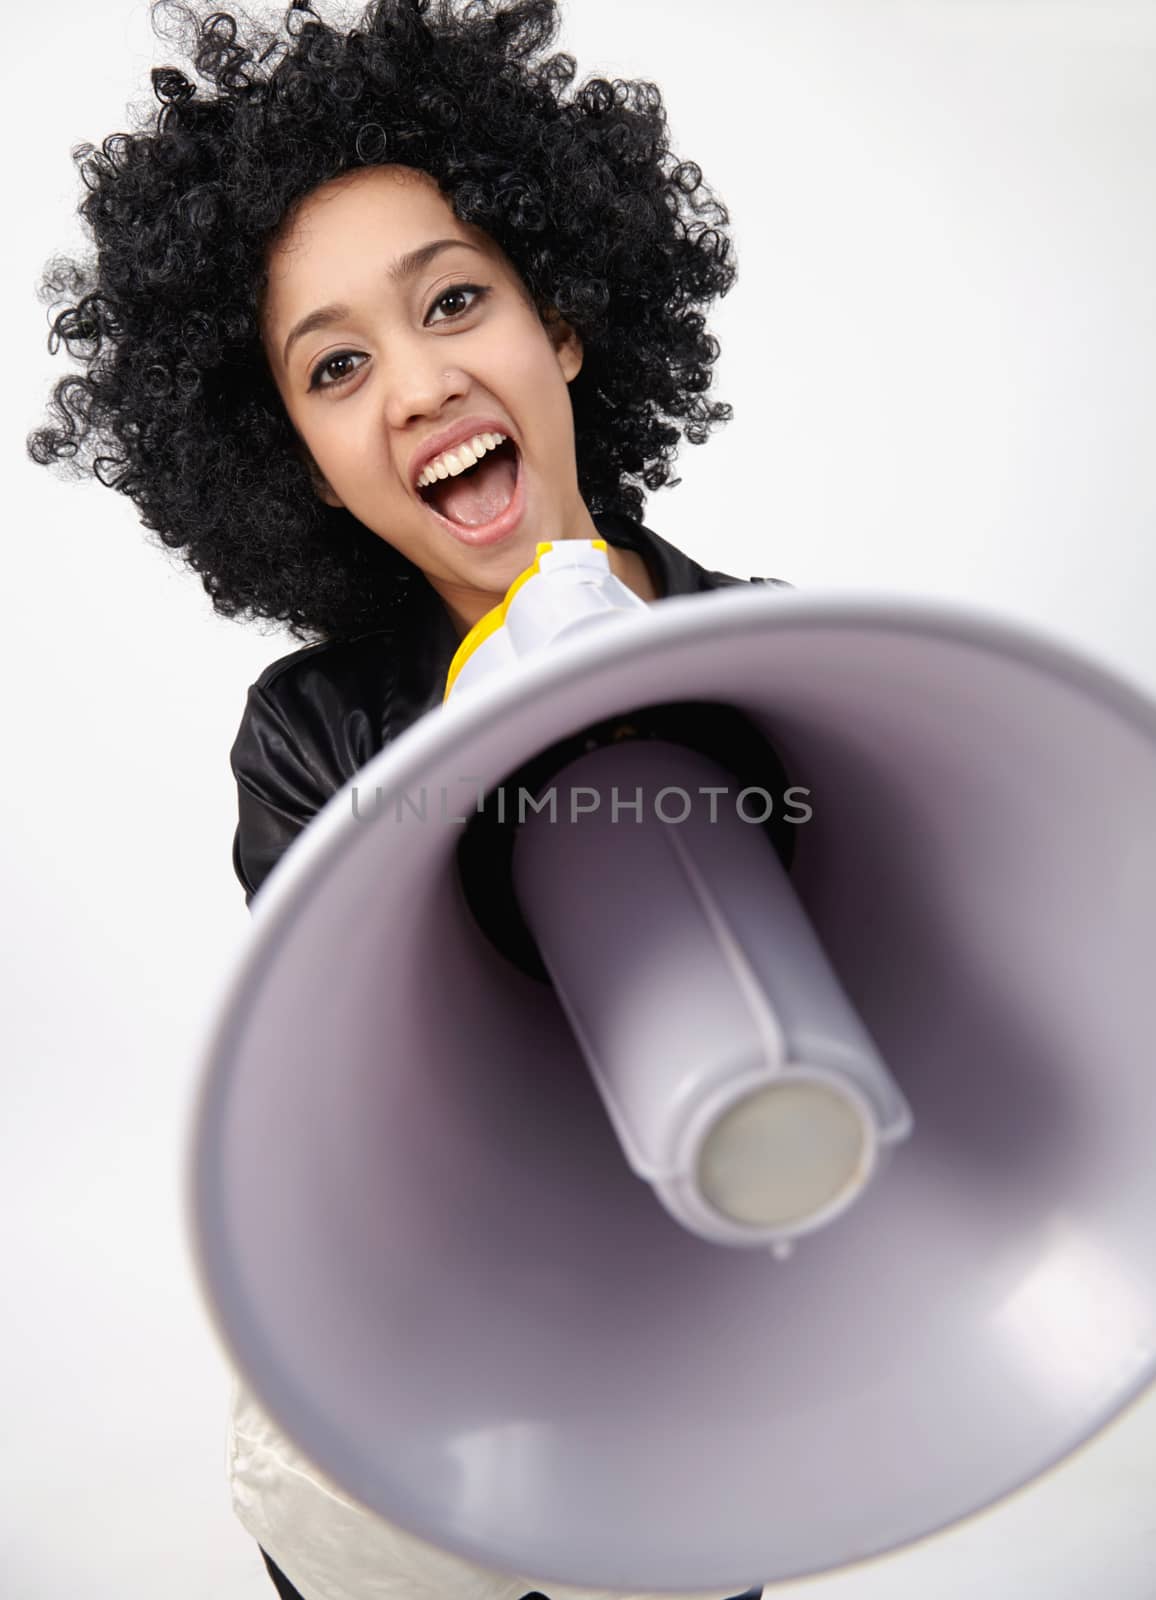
(176,406)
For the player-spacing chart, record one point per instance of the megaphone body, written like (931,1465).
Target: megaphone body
(476,1240)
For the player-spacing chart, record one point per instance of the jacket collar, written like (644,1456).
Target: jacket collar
(671,572)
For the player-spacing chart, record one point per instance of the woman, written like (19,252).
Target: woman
(312,284)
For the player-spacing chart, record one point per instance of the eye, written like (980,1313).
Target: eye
(455,291)
(322,367)
(325,375)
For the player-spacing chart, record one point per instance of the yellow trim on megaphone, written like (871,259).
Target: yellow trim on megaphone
(495,619)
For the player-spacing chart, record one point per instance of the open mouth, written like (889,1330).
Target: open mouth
(479,495)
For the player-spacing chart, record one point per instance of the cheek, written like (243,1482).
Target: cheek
(345,442)
(521,359)
(549,397)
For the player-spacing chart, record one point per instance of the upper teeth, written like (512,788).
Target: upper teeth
(451,462)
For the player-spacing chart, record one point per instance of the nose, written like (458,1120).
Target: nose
(421,387)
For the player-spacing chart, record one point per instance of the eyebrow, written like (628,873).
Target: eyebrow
(405,267)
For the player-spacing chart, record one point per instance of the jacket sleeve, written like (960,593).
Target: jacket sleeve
(283,780)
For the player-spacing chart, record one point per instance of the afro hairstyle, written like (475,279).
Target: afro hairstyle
(175,406)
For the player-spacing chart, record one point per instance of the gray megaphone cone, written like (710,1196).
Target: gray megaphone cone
(414,1222)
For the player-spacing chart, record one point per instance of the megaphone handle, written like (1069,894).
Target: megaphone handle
(693,981)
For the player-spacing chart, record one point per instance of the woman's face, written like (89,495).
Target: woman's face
(377,358)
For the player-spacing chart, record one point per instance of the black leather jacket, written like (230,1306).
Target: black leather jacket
(315,717)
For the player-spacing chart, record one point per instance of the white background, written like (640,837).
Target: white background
(942,356)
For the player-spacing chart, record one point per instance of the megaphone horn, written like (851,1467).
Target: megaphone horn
(918,1048)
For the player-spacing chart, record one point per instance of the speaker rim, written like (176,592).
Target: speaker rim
(719,613)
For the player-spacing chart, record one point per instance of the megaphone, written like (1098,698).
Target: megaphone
(648,1198)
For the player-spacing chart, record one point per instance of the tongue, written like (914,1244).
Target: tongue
(479,495)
